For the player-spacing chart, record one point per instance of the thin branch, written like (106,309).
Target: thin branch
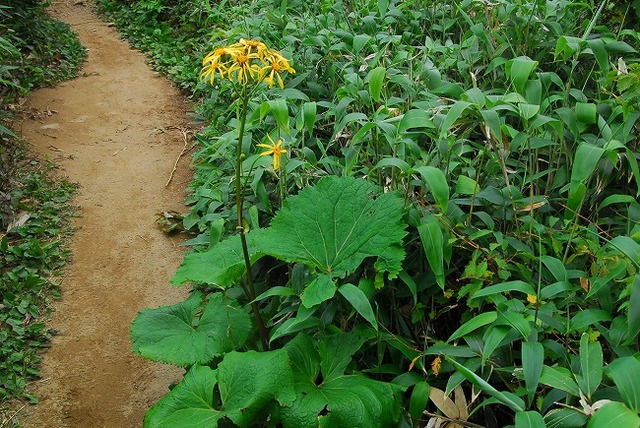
(13,415)
(182,153)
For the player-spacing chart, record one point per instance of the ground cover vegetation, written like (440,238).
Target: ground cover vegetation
(432,222)
(35,204)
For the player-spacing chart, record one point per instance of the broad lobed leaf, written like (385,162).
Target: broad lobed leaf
(167,334)
(335,225)
(222,265)
(249,384)
(339,400)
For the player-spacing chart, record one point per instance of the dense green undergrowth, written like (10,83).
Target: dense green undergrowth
(456,216)
(35,50)
(35,203)
(33,251)
(32,254)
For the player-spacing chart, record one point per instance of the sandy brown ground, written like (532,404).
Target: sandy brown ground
(112,131)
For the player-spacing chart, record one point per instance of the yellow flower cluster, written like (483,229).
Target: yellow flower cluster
(244,62)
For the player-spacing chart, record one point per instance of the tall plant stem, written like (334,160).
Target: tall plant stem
(249,289)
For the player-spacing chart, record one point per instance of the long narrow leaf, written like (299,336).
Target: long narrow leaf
(433,245)
(565,418)
(503,287)
(510,400)
(585,161)
(625,373)
(453,115)
(280,112)
(376,78)
(633,314)
(474,324)
(532,365)
(309,111)
(591,364)
(438,185)
(419,399)
(529,419)
(492,339)
(519,69)
(614,415)
(359,301)
(559,378)
(415,119)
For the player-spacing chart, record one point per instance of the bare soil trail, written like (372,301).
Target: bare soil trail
(116,131)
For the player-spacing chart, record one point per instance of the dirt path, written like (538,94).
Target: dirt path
(112,131)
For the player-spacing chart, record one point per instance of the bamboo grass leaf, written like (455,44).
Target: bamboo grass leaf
(559,378)
(532,366)
(591,366)
(625,373)
(433,245)
(359,301)
(376,78)
(511,400)
(633,312)
(503,287)
(437,183)
(419,399)
(309,111)
(614,414)
(320,289)
(530,419)
(518,70)
(473,324)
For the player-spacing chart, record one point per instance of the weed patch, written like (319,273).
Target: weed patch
(33,253)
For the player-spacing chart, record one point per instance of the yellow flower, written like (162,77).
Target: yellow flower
(254,45)
(244,67)
(211,64)
(274,149)
(277,64)
(246,61)
(217,61)
(532,298)
(435,365)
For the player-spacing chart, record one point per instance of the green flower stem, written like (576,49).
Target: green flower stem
(249,289)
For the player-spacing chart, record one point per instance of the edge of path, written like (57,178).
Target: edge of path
(117,130)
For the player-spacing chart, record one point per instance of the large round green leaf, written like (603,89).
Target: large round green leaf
(334,225)
(172,334)
(249,386)
(337,399)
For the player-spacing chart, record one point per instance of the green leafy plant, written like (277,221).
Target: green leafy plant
(32,254)
(365,223)
(495,145)
(36,49)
